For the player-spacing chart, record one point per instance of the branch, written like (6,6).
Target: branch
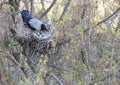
(32,7)
(14,4)
(26,4)
(64,11)
(11,58)
(54,1)
(57,79)
(82,16)
(100,79)
(43,8)
(83,12)
(104,20)
(111,57)
(3,3)
(62,42)
(118,25)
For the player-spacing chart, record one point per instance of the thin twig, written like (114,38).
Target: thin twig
(104,20)
(56,78)
(112,55)
(43,8)
(82,16)
(100,79)
(65,10)
(83,12)
(118,25)
(54,1)
(108,17)
(3,3)
(32,7)
(11,57)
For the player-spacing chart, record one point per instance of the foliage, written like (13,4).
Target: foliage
(91,56)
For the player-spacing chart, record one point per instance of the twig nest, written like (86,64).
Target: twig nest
(40,39)
(31,38)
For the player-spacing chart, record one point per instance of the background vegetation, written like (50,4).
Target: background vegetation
(90,56)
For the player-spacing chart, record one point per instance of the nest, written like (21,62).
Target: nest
(40,39)
(30,38)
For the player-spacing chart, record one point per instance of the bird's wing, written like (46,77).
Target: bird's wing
(35,23)
(26,16)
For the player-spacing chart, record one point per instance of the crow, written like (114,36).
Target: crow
(33,23)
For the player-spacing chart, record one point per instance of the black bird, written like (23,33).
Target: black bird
(34,24)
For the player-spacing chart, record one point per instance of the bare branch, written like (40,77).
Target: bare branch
(57,79)
(54,1)
(62,42)
(32,6)
(3,3)
(82,16)
(65,10)
(118,25)
(100,79)
(83,12)
(26,3)
(43,8)
(111,57)
(104,20)
(14,3)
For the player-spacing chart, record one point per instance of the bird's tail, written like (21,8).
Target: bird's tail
(26,16)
